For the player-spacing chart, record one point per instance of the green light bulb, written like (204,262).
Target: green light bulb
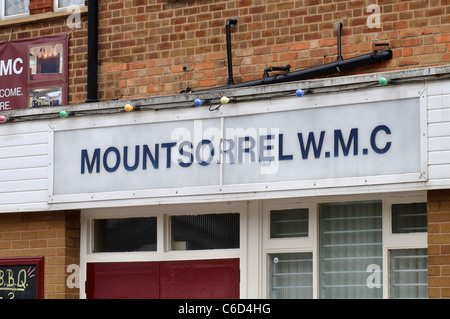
(63,114)
(383,81)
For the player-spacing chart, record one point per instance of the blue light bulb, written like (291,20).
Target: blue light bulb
(198,102)
(299,92)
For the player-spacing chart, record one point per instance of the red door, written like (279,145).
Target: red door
(137,280)
(194,279)
(201,279)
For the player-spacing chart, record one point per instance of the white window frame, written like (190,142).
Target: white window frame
(5,17)
(306,244)
(393,241)
(70,8)
(163,252)
(390,241)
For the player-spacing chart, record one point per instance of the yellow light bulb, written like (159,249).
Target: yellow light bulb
(224,100)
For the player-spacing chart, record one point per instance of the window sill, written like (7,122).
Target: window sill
(39,17)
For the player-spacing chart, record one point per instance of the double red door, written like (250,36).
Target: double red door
(193,279)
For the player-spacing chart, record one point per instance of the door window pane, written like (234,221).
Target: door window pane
(209,231)
(125,234)
(13,7)
(409,273)
(350,249)
(291,276)
(409,218)
(289,223)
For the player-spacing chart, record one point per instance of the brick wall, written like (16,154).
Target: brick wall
(40,6)
(144,44)
(54,235)
(439,244)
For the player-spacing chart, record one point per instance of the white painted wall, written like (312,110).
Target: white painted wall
(439,134)
(24,166)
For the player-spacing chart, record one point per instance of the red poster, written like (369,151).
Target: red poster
(33,72)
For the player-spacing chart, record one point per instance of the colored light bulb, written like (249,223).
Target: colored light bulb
(63,114)
(198,102)
(128,108)
(3,119)
(300,92)
(383,81)
(224,100)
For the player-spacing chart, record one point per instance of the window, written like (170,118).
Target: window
(14,7)
(409,273)
(357,249)
(290,226)
(209,231)
(125,234)
(288,223)
(350,243)
(67,3)
(291,276)
(409,218)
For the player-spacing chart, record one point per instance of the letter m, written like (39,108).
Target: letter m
(90,163)
(5,69)
(339,139)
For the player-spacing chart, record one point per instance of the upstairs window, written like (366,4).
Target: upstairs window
(11,8)
(59,4)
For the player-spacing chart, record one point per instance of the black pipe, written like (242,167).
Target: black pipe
(339,57)
(230,63)
(92,63)
(314,72)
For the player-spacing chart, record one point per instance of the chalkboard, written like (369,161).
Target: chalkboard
(22,278)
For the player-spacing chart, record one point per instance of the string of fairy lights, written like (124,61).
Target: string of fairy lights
(213,103)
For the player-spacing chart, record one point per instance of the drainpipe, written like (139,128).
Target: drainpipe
(92,63)
(339,57)
(230,62)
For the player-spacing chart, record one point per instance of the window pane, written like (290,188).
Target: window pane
(350,246)
(289,223)
(211,231)
(67,3)
(13,7)
(125,234)
(291,276)
(409,273)
(409,218)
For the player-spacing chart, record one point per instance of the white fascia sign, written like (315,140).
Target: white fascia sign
(285,148)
